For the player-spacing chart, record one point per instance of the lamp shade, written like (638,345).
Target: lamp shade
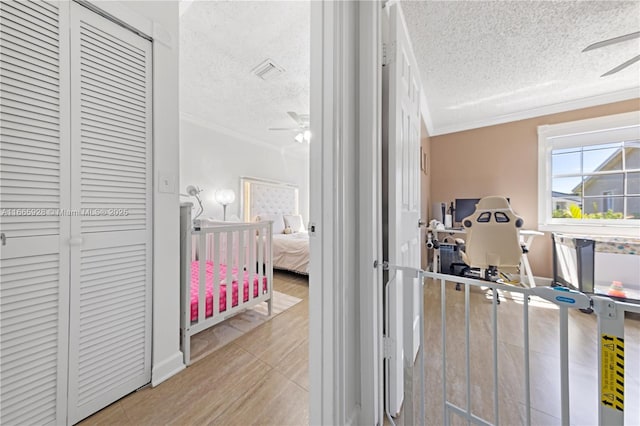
(225,196)
(193,190)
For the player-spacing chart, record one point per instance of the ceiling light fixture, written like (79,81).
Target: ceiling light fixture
(303,136)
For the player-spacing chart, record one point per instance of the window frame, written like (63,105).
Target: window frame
(574,134)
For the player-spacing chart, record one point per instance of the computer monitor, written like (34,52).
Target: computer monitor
(465,207)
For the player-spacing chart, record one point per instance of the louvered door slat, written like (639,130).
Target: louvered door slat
(30,18)
(99,72)
(110,113)
(111,139)
(106,41)
(10,111)
(26,29)
(122,92)
(107,107)
(117,126)
(37,13)
(123,152)
(33,269)
(42,11)
(29,336)
(92,152)
(31,110)
(21,40)
(113,62)
(35,102)
(31,57)
(21,80)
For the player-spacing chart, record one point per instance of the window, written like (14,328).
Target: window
(589,175)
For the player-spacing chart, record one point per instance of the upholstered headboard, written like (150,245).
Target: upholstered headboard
(265,196)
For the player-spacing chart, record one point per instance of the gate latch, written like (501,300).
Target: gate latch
(563,296)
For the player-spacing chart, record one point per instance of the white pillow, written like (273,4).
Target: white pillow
(278,221)
(294,221)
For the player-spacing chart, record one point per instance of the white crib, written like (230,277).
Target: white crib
(237,257)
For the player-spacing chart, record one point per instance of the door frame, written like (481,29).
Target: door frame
(345,282)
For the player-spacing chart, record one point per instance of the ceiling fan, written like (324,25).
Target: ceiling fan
(615,40)
(302,128)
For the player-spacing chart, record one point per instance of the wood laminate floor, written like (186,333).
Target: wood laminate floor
(262,377)
(544,355)
(259,378)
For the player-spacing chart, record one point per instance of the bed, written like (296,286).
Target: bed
(225,268)
(278,203)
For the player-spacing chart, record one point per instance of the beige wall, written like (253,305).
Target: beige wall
(503,160)
(425,188)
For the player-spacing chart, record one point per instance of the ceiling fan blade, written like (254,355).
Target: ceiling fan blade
(621,66)
(294,116)
(285,128)
(614,40)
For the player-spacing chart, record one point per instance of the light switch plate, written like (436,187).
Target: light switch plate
(166,182)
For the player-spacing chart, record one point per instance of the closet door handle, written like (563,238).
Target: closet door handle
(75,241)
(3,239)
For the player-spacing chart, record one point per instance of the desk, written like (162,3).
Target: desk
(526,238)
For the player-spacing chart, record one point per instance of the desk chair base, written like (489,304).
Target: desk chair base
(491,274)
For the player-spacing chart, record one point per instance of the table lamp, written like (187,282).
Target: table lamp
(225,197)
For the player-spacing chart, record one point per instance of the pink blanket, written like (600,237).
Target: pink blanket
(195,280)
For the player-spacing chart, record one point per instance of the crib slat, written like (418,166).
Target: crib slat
(215,256)
(251,267)
(269,262)
(261,253)
(241,269)
(229,263)
(202,281)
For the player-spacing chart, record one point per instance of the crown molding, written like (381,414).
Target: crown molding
(591,101)
(239,135)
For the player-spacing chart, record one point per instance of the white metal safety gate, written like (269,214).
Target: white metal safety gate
(610,341)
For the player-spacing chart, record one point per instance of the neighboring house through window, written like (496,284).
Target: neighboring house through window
(589,175)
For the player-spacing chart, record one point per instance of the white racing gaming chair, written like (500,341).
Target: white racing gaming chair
(493,238)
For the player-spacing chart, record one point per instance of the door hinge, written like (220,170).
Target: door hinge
(388,53)
(384,264)
(388,345)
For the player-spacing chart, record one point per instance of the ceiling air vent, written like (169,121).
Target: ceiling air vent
(268,70)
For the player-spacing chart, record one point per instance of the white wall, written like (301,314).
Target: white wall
(160,20)
(213,160)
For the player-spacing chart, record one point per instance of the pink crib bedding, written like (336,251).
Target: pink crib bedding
(195,280)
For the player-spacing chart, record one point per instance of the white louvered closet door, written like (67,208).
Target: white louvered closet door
(34,184)
(110,320)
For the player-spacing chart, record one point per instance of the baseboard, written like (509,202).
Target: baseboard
(540,281)
(167,368)
(543,281)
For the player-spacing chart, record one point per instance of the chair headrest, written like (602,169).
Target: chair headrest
(495,206)
(493,202)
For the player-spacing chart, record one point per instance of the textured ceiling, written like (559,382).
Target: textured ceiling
(221,42)
(483,62)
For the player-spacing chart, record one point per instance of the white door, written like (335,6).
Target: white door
(34,185)
(401,95)
(110,317)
